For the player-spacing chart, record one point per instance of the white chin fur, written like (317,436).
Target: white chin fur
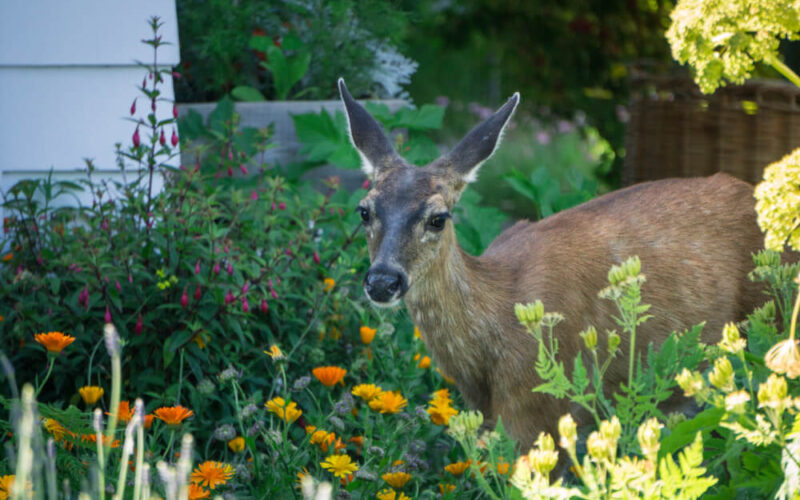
(384,305)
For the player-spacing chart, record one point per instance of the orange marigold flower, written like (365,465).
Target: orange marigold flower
(367,334)
(358,441)
(287,412)
(148,421)
(8,256)
(6,483)
(367,392)
(275,353)
(503,467)
(173,415)
(446,488)
(458,468)
(329,375)
(440,412)
(198,492)
(91,393)
(390,494)
(396,479)
(92,438)
(212,474)
(124,412)
(322,439)
(388,402)
(328,284)
(425,362)
(54,341)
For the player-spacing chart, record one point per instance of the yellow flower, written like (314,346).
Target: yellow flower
(329,375)
(56,429)
(446,488)
(367,334)
(390,494)
(212,474)
(503,467)
(458,468)
(173,415)
(388,402)
(732,341)
(328,284)
(275,353)
(200,339)
(124,412)
(425,362)
(417,333)
(396,479)
(339,465)
(440,412)
(302,475)
(287,412)
(367,392)
(236,444)
(450,380)
(198,492)
(91,393)
(54,341)
(323,439)
(784,357)
(6,483)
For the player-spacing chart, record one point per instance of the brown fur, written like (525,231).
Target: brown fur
(694,237)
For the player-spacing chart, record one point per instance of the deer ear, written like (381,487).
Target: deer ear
(367,136)
(481,142)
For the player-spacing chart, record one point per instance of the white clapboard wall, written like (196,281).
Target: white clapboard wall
(68,75)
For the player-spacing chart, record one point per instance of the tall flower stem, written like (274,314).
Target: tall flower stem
(50,370)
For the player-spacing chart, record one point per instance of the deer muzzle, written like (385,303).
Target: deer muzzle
(385,284)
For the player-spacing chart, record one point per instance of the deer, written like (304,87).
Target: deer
(694,236)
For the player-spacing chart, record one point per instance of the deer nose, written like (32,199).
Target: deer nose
(384,283)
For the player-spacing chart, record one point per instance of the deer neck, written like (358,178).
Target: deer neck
(457,307)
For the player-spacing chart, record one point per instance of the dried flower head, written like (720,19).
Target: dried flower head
(784,357)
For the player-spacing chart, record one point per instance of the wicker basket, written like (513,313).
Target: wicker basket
(675,131)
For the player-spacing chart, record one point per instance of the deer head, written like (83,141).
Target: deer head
(407,213)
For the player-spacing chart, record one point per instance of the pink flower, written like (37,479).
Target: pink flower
(104,225)
(198,292)
(107,317)
(243,168)
(162,139)
(229,297)
(245,306)
(246,287)
(197,167)
(365,185)
(253,195)
(133,108)
(282,205)
(216,268)
(230,268)
(274,294)
(184,299)
(273,206)
(144,82)
(174,139)
(136,141)
(174,110)
(176,75)
(117,285)
(153,104)
(264,306)
(130,278)
(230,171)
(138,327)
(316,257)
(197,267)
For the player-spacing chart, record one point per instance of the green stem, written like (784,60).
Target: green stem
(794,317)
(47,376)
(180,379)
(783,69)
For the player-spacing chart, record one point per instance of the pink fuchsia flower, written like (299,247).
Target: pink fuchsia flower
(162,139)
(138,327)
(245,305)
(133,107)
(264,306)
(243,168)
(230,171)
(316,257)
(216,268)
(176,75)
(197,267)
(253,195)
(130,278)
(246,287)
(365,185)
(230,268)
(153,104)
(273,206)
(274,294)
(229,297)
(174,110)
(117,285)
(184,299)
(282,206)
(198,292)
(174,139)
(144,82)
(104,225)
(136,140)
(107,317)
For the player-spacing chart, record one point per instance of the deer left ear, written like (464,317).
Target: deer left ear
(480,143)
(367,136)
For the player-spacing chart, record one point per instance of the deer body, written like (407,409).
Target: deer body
(694,237)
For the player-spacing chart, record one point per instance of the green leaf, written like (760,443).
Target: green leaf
(247,94)
(682,434)
(428,117)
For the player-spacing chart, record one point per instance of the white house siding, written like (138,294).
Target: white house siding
(68,75)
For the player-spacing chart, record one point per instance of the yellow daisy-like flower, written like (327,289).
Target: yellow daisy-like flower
(784,357)
(287,412)
(329,375)
(198,492)
(275,353)
(388,402)
(367,334)
(212,474)
(440,411)
(56,429)
(424,363)
(323,439)
(367,392)
(328,284)
(396,479)
(458,468)
(339,465)
(173,415)
(54,342)
(6,483)
(236,444)
(91,393)
(390,494)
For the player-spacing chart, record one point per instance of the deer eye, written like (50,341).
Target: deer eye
(364,214)
(436,222)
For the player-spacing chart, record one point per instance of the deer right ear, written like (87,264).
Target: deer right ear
(367,136)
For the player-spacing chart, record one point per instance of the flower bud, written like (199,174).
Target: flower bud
(153,104)
(589,337)
(649,434)
(264,307)
(174,139)
(613,342)
(365,185)
(117,286)
(245,305)
(230,268)
(530,315)
(721,375)
(229,298)
(598,447)
(230,171)
(691,382)
(274,294)
(568,430)
(197,267)
(246,287)
(174,110)
(133,107)
(216,268)
(198,292)
(253,195)
(162,139)
(772,393)
(611,429)
(136,137)
(138,327)
(736,402)
(282,206)
(184,299)
(107,316)
(243,168)
(732,342)
(315,256)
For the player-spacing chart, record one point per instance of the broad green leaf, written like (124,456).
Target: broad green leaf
(247,94)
